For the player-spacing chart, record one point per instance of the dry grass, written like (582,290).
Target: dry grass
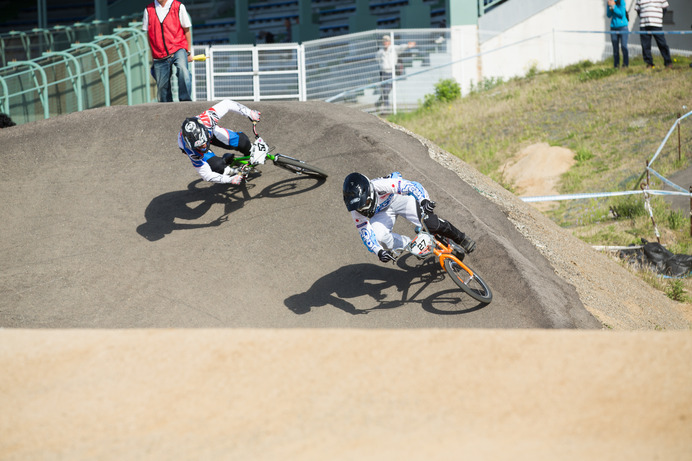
(614,121)
(620,120)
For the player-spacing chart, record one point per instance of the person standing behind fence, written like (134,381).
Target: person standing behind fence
(167,25)
(387,57)
(651,20)
(617,11)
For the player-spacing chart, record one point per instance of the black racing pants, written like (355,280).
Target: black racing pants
(218,164)
(441,227)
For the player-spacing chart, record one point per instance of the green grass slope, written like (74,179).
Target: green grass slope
(613,120)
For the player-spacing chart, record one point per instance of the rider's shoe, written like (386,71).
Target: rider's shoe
(468,244)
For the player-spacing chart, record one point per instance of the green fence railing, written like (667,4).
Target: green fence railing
(109,69)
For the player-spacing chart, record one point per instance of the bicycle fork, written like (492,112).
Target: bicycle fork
(443,252)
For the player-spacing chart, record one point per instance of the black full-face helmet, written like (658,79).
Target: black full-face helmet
(195,134)
(359,195)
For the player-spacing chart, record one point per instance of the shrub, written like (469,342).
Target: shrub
(486,84)
(583,155)
(445,91)
(676,219)
(628,207)
(676,290)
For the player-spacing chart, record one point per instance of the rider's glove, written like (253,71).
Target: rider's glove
(427,205)
(255,115)
(385,255)
(236,179)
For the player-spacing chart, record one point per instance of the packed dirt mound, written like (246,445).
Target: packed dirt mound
(345,394)
(157,247)
(536,170)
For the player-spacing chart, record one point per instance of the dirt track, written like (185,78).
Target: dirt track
(114,231)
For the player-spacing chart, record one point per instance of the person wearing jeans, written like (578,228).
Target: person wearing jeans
(619,31)
(162,74)
(168,25)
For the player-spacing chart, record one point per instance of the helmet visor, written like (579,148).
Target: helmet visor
(203,148)
(364,209)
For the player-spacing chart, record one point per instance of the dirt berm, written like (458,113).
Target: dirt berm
(147,314)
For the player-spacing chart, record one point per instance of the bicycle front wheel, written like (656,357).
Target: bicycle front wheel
(298,167)
(468,281)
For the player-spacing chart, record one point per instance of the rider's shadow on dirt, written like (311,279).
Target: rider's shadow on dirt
(163,213)
(356,280)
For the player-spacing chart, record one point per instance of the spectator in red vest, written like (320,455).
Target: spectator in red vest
(167,25)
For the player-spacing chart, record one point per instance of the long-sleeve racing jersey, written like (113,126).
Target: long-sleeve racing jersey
(386,189)
(210,118)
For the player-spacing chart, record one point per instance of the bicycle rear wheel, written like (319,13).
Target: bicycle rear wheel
(470,282)
(298,166)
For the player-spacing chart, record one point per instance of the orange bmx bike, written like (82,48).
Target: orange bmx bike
(427,245)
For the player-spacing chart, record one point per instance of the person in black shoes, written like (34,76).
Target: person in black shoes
(375,204)
(651,13)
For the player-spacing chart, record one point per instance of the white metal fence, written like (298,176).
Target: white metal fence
(344,69)
(250,72)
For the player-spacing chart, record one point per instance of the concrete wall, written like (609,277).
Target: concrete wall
(509,14)
(518,36)
(530,42)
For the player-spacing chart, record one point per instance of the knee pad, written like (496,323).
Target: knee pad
(217,164)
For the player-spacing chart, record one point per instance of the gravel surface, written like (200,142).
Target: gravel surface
(110,353)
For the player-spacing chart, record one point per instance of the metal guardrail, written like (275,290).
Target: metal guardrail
(26,45)
(110,69)
(115,69)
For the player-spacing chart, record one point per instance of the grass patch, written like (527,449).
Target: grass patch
(606,116)
(595,74)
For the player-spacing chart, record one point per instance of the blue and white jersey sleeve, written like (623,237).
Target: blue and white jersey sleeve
(366,232)
(211,116)
(222,108)
(207,174)
(395,184)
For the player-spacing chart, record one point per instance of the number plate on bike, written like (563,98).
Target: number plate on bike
(421,245)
